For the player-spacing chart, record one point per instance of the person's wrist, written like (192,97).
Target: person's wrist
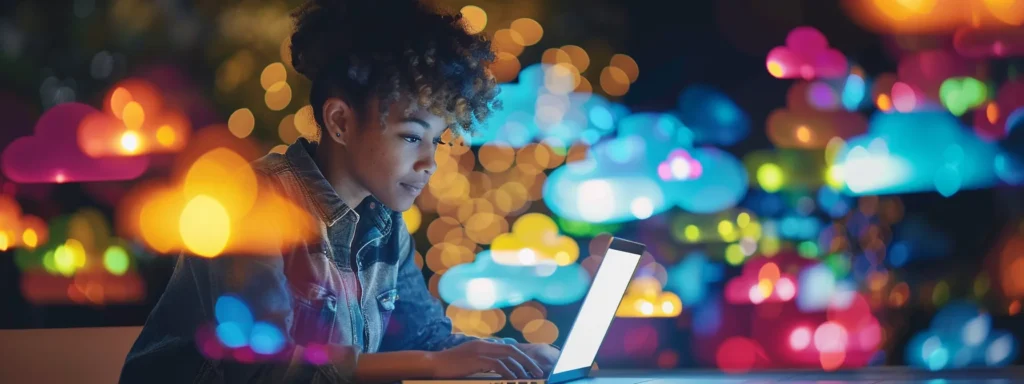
(424,364)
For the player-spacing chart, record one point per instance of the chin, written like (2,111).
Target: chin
(398,203)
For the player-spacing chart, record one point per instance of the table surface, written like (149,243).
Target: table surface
(879,375)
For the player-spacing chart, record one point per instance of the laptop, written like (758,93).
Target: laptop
(589,328)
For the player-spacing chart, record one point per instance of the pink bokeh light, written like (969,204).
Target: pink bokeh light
(679,166)
(806,55)
(52,154)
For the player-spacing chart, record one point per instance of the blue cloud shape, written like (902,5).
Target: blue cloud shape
(721,185)
(961,335)
(690,279)
(620,180)
(916,152)
(565,118)
(485,284)
(713,116)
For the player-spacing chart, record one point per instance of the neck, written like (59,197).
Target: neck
(330,159)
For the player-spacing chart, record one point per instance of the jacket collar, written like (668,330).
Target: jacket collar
(322,195)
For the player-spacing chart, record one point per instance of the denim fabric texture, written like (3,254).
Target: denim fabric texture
(355,285)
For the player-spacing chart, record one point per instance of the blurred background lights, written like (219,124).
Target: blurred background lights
(475,18)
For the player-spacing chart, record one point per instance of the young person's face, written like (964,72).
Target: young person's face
(394,162)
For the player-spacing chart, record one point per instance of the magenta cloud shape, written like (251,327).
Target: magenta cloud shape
(52,154)
(806,55)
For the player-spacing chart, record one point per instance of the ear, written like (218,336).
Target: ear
(340,120)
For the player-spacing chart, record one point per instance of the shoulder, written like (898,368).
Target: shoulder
(270,165)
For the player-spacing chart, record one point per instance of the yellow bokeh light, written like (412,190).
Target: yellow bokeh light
(5,241)
(530,30)
(413,218)
(765,287)
(584,87)
(554,56)
(279,149)
(505,67)
(118,100)
(883,102)
(496,157)
(692,233)
(614,81)
(540,331)
(507,40)
(803,134)
(534,240)
(524,314)
(130,142)
(475,18)
(770,177)
(645,298)
(306,124)
(224,176)
(578,56)
(734,254)
(165,135)
(776,69)
(627,65)
(992,112)
(561,78)
(278,96)
(743,219)
(29,238)
(133,116)
(156,230)
(287,131)
(272,74)
(834,176)
(205,226)
(241,123)
(726,228)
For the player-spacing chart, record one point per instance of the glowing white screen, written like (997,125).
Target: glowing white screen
(597,311)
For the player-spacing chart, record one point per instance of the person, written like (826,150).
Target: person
(389,77)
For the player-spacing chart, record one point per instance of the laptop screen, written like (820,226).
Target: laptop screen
(597,311)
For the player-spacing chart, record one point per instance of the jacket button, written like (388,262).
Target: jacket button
(373,205)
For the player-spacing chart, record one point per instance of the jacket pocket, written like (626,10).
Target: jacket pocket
(386,305)
(314,314)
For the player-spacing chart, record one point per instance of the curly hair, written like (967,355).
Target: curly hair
(383,50)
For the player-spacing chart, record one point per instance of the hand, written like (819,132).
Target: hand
(481,356)
(544,354)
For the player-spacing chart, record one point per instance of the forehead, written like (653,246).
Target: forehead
(404,111)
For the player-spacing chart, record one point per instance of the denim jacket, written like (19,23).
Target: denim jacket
(356,286)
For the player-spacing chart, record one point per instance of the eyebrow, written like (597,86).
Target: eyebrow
(416,120)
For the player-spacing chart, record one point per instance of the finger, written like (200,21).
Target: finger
(525,360)
(516,367)
(499,367)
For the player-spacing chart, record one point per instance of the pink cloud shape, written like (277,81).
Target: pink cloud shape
(806,55)
(989,43)
(52,154)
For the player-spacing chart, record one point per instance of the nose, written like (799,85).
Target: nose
(427,161)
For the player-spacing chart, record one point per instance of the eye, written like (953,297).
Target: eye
(411,138)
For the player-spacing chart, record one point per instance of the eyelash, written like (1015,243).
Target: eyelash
(413,139)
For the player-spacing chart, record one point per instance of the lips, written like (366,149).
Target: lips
(414,188)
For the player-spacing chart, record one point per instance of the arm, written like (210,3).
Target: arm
(419,321)
(260,283)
